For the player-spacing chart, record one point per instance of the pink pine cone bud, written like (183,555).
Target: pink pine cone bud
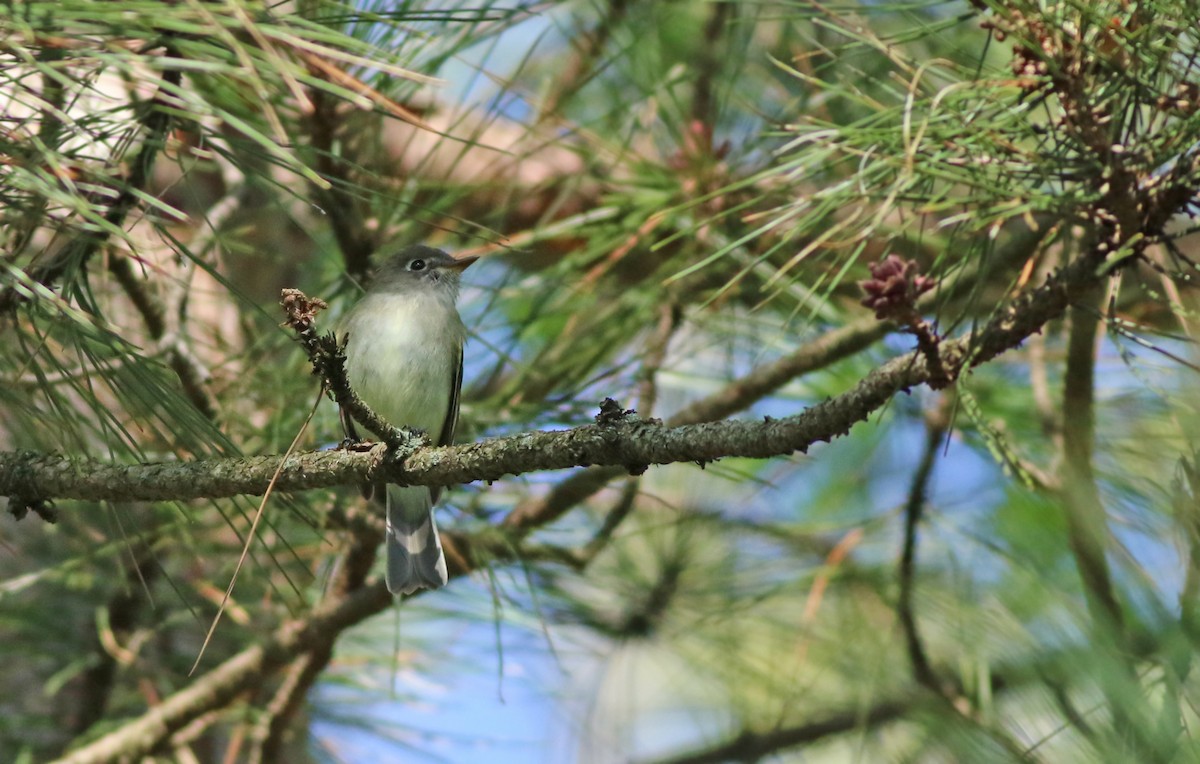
(894,286)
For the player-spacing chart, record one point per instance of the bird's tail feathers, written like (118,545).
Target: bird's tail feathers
(414,550)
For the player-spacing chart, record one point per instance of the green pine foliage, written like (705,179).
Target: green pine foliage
(676,201)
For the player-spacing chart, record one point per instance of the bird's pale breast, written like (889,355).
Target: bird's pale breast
(401,356)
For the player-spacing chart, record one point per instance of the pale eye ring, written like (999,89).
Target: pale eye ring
(417,265)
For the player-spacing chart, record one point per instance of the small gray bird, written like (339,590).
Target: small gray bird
(404,359)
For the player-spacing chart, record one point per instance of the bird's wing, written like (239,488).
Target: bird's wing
(447,436)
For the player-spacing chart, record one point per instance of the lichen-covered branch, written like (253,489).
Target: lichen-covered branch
(628,442)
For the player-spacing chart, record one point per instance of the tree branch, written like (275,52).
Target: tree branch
(827,349)
(223,684)
(630,443)
(305,643)
(272,730)
(752,746)
(343,208)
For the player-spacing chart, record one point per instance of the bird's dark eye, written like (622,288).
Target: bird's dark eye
(417,265)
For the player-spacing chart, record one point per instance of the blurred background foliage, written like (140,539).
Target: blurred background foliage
(671,196)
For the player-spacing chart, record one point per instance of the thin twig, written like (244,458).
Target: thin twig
(1086,522)
(193,377)
(326,353)
(123,608)
(936,424)
(669,317)
(579,69)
